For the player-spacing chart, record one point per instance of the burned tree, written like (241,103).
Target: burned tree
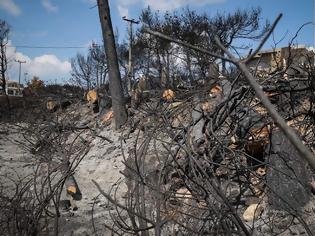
(116,90)
(90,71)
(217,172)
(4,33)
(82,68)
(156,55)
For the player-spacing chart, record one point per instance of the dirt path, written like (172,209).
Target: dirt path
(102,164)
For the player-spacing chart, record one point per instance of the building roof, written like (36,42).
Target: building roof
(268,51)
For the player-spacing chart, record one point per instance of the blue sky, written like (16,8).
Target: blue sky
(75,23)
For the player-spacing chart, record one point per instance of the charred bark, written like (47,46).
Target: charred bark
(115,86)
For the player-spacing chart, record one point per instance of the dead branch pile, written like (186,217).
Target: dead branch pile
(213,162)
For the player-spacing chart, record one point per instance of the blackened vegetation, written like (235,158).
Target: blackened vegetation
(208,161)
(208,166)
(32,201)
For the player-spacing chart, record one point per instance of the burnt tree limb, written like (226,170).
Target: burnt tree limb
(287,130)
(241,64)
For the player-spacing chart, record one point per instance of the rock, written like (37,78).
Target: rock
(252,212)
(288,177)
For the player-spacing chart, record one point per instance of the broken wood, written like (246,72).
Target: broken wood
(91,96)
(168,95)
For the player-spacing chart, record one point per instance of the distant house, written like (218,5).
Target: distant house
(294,60)
(13,88)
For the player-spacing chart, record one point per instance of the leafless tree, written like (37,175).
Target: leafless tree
(115,85)
(82,68)
(197,163)
(4,34)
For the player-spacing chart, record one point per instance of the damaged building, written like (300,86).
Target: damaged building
(291,61)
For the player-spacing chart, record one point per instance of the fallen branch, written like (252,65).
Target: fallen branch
(179,42)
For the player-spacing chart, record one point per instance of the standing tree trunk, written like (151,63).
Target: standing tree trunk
(3,65)
(4,32)
(115,86)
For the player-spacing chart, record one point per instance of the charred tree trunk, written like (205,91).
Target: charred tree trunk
(4,31)
(3,66)
(115,86)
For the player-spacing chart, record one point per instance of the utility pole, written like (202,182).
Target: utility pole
(130,67)
(20,62)
(25,77)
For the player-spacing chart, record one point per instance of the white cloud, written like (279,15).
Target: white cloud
(49,6)
(123,6)
(46,67)
(11,7)
(49,66)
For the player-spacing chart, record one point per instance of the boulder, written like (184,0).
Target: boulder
(288,176)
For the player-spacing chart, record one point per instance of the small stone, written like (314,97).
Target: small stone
(252,212)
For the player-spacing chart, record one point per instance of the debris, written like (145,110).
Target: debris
(206,106)
(261,171)
(174,105)
(257,141)
(184,195)
(51,105)
(252,212)
(168,94)
(107,117)
(71,190)
(215,90)
(91,96)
